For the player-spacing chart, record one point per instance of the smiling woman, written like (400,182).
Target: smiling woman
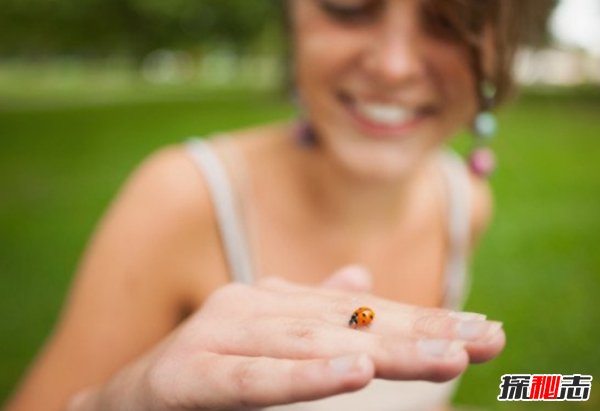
(364,179)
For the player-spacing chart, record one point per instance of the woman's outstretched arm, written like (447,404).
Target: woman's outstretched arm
(121,345)
(280,343)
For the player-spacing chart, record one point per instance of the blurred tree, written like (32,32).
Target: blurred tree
(38,28)
(534,16)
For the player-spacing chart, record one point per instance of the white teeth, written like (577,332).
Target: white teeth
(385,114)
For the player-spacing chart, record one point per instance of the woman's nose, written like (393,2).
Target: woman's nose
(395,55)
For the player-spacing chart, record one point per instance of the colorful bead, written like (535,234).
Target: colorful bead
(305,134)
(482,161)
(485,125)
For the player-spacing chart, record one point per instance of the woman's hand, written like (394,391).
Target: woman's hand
(280,343)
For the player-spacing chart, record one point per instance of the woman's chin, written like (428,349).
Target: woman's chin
(385,168)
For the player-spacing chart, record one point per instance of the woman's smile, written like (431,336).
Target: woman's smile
(382,93)
(383,117)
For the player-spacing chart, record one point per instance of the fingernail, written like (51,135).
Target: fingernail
(494,330)
(439,348)
(470,330)
(348,363)
(465,316)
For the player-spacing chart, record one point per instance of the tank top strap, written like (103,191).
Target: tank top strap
(235,243)
(459,216)
(226,207)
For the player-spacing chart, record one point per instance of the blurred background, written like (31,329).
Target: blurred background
(88,88)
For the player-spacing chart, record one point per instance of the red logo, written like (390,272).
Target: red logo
(545,387)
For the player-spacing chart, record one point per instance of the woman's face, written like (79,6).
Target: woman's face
(381,91)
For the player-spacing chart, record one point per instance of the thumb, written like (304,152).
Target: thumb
(350,278)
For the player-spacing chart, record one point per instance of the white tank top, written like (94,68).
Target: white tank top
(379,395)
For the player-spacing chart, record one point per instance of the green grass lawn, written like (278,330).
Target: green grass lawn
(538,268)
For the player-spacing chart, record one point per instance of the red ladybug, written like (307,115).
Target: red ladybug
(361,317)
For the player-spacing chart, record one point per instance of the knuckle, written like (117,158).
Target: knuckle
(435,325)
(243,378)
(303,330)
(385,352)
(162,392)
(345,306)
(342,308)
(297,381)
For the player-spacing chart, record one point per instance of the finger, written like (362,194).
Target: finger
(396,358)
(336,307)
(435,360)
(484,338)
(351,278)
(486,350)
(244,382)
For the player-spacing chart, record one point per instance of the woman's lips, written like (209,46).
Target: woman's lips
(385,120)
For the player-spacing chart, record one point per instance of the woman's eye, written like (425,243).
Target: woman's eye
(445,20)
(440,26)
(351,12)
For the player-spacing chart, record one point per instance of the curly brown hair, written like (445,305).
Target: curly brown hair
(512,23)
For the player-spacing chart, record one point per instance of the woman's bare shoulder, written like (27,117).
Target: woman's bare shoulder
(157,247)
(166,181)
(166,204)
